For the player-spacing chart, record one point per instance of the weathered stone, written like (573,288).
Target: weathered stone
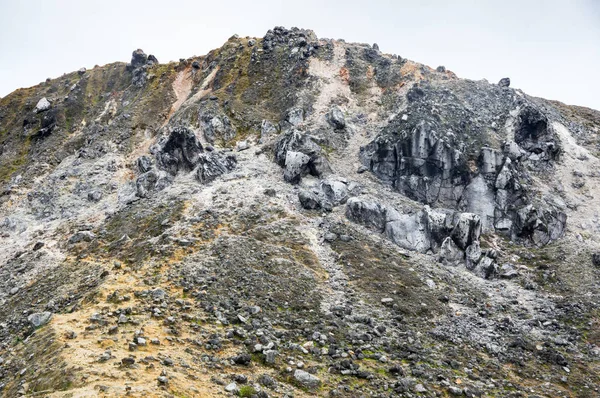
(82,236)
(504,82)
(42,105)
(214,164)
(180,151)
(306,379)
(38,319)
(309,200)
(296,166)
(450,254)
(335,117)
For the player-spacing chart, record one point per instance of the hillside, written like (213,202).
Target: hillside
(295,216)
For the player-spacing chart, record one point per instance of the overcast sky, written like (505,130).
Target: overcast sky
(548,48)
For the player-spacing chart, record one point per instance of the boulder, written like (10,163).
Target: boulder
(296,166)
(335,117)
(146,183)
(214,164)
(309,200)
(138,58)
(467,230)
(504,82)
(38,319)
(82,236)
(409,231)
(335,191)
(42,105)
(369,213)
(306,379)
(295,116)
(296,141)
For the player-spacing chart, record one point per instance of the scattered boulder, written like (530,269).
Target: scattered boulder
(42,105)
(38,319)
(450,254)
(296,166)
(309,200)
(335,117)
(504,82)
(138,58)
(306,379)
(295,116)
(82,236)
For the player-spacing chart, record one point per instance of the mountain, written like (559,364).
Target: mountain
(294,216)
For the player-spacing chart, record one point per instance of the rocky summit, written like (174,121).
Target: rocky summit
(292,216)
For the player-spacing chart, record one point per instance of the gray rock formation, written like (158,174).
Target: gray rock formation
(432,160)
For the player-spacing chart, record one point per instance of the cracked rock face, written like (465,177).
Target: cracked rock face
(431,159)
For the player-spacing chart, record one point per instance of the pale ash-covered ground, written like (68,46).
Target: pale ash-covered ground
(239,260)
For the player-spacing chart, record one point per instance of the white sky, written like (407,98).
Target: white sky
(548,48)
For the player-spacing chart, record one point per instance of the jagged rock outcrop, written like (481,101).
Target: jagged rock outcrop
(446,160)
(300,155)
(180,151)
(214,164)
(423,230)
(328,193)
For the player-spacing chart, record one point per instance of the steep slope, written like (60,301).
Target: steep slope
(295,216)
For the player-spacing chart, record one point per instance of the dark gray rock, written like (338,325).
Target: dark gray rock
(179,151)
(296,166)
(138,58)
(504,82)
(335,117)
(296,141)
(146,183)
(309,200)
(214,164)
(440,158)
